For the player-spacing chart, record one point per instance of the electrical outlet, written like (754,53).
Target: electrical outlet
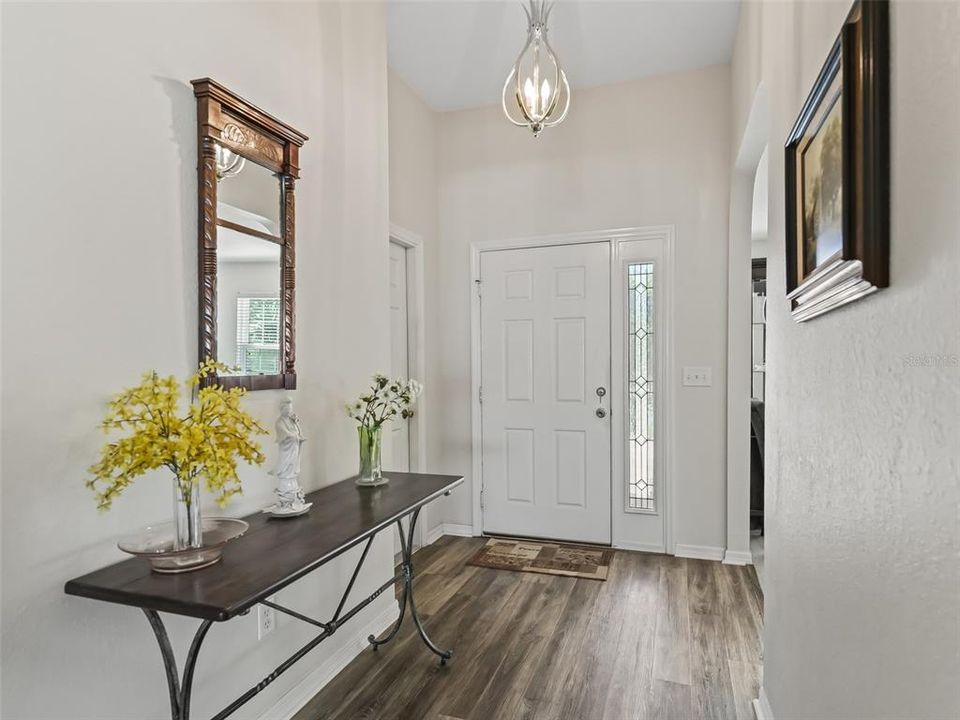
(697,376)
(266,620)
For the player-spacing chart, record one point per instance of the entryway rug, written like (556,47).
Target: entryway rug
(543,557)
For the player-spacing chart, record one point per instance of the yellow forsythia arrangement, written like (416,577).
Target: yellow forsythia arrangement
(203,444)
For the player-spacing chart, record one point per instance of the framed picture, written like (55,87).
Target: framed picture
(838,172)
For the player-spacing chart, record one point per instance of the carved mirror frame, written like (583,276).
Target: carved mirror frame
(224,117)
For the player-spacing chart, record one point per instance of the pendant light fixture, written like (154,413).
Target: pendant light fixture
(536,94)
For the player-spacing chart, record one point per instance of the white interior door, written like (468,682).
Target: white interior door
(545,351)
(399,443)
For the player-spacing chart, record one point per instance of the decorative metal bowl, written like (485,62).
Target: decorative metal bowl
(156,543)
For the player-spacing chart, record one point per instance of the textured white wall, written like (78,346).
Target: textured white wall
(862,579)
(650,152)
(100,221)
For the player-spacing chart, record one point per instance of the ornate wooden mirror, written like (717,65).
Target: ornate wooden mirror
(248,162)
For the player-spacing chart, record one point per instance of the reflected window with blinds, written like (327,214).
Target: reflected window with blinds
(641,371)
(258,335)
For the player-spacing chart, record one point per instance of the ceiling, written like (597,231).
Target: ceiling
(457,54)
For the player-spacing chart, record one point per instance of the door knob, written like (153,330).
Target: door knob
(601,391)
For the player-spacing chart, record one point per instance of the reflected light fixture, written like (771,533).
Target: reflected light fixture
(536,94)
(228,162)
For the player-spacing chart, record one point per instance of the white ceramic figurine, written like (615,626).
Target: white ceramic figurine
(287,471)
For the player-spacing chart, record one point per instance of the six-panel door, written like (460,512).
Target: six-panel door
(545,351)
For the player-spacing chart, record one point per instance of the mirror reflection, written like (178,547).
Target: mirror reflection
(248,266)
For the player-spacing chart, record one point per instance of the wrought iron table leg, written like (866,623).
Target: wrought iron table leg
(179,690)
(406,569)
(403,602)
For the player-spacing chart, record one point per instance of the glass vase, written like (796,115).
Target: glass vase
(186,515)
(370,471)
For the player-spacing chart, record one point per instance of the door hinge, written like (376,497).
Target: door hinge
(480,393)
(479,286)
(481,499)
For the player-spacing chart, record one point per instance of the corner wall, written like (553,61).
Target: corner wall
(861,579)
(99,283)
(413,206)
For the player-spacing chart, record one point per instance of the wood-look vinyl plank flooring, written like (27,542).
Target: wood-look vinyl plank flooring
(663,638)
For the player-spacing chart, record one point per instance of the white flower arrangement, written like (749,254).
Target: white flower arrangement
(386,399)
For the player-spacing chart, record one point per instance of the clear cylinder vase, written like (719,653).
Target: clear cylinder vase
(370,445)
(186,515)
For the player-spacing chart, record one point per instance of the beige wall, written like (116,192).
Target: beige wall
(861,579)
(99,222)
(650,152)
(413,207)
(413,160)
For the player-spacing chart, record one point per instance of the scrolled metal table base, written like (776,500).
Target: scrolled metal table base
(406,573)
(180,687)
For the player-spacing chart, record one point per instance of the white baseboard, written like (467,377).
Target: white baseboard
(449,529)
(699,552)
(458,530)
(761,706)
(434,534)
(301,693)
(639,547)
(737,557)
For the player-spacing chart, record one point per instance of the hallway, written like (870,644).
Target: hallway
(663,637)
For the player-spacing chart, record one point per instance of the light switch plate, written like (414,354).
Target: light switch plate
(697,376)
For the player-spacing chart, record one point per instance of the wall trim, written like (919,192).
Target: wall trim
(737,389)
(736,557)
(300,694)
(639,547)
(613,238)
(433,535)
(761,706)
(416,353)
(454,529)
(458,530)
(699,552)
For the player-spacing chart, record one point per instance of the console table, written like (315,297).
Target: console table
(272,554)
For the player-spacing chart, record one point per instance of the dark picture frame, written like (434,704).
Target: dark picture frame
(224,118)
(837,172)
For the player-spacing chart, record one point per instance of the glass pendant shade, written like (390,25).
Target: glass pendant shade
(536,94)
(228,163)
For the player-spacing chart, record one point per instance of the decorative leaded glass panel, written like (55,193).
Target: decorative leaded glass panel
(641,370)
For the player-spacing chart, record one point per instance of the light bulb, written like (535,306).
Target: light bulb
(530,94)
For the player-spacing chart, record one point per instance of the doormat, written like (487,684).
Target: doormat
(542,557)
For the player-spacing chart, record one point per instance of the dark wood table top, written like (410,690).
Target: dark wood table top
(272,554)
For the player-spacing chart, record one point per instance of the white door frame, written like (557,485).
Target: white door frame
(665,233)
(416,354)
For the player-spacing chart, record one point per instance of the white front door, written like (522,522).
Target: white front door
(545,352)
(398,444)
